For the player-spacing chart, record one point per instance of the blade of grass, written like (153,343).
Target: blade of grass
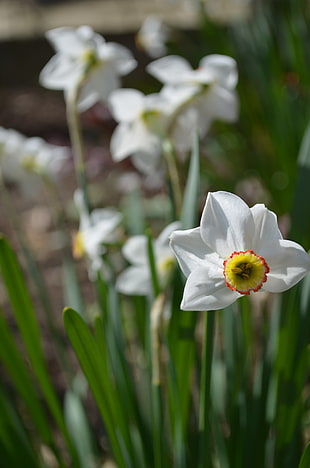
(29,329)
(305,459)
(300,213)
(190,201)
(15,447)
(90,358)
(11,358)
(79,429)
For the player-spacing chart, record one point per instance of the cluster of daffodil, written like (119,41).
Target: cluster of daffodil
(236,252)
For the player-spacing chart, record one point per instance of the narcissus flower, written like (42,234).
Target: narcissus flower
(153,35)
(210,87)
(95,231)
(142,125)
(136,279)
(83,54)
(23,159)
(237,250)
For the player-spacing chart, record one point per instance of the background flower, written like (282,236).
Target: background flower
(23,159)
(83,54)
(142,124)
(96,229)
(136,279)
(208,92)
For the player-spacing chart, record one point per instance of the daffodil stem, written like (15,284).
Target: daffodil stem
(157,403)
(174,176)
(75,132)
(205,387)
(152,264)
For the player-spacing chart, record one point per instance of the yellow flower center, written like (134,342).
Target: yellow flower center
(78,245)
(29,163)
(245,271)
(164,269)
(90,60)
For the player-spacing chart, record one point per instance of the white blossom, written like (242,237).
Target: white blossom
(236,250)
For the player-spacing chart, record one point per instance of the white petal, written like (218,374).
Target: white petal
(223,67)
(205,289)
(102,81)
(134,281)
(219,103)
(266,227)
(227,224)
(135,250)
(170,69)
(288,263)
(129,138)
(164,237)
(148,162)
(162,243)
(65,40)
(190,250)
(126,104)
(60,73)
(119,56)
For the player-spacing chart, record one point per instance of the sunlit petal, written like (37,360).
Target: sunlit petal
(205,289)
(226,223)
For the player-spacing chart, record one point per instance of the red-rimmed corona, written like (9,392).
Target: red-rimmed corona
(245,271)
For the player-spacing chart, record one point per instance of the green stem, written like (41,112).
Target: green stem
(152,264)
(174,176)
(157,397)
(75,132)
(205,387)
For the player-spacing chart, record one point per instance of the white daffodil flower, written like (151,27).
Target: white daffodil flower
(136,279)
(152,36)
(96,229)
(142,124)
(43,158)
(210,89)
(22,159)
(83,54)
(236,250)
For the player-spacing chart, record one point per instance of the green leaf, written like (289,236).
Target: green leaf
(305,459)
(300,215)
(11,358)
(15,447)
(79,428)
(190,201)
(25,317)
(72,292)
(133,212)
(90,358)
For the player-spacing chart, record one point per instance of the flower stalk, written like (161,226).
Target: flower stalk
(173,176)
(76,138)
(205,387)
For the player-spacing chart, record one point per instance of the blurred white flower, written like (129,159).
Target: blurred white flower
(152,36)
(236,250)
(228,11)
(136,279)
(22,159)
(208,92)
(83,54)
(142,124)
(96,229)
